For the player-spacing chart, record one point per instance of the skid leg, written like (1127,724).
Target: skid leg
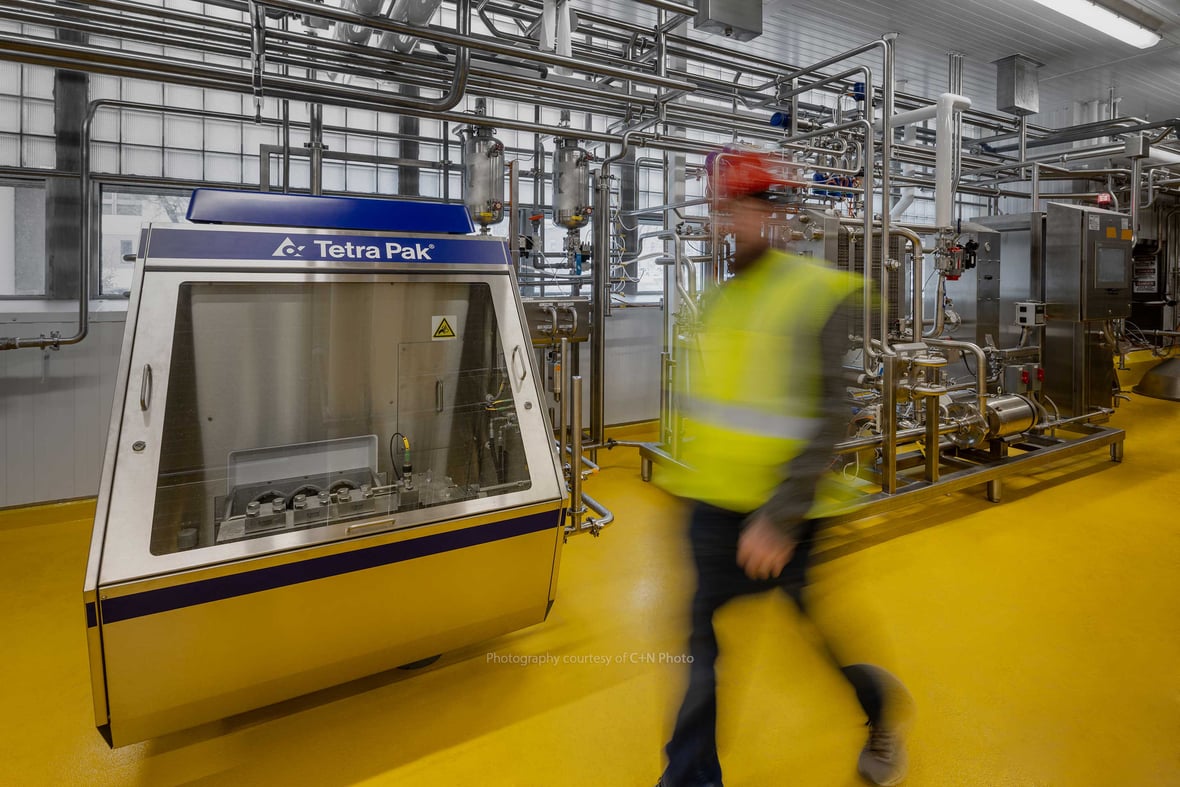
(995,490)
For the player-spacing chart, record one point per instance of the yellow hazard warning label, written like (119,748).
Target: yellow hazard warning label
(442,327)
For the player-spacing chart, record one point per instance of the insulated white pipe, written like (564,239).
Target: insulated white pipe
(944,158)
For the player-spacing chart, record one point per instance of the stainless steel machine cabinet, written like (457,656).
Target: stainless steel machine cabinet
(328,457)
(1087,283)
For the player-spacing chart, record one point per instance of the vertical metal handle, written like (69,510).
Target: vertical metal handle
(518,367)
(145,388)
(439,396)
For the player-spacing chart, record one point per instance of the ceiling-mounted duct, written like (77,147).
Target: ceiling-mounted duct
(1018,85)
(738,19)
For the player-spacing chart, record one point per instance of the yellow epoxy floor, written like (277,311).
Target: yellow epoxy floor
(1040,637)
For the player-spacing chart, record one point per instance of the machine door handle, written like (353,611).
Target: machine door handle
(145,388)
(439,396)
(519,368)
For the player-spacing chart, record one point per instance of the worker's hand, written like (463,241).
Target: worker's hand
(763,549)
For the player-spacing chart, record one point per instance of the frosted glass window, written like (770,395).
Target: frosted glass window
(105,126)
(143,92)
(386,181)
(182,96)
(9,150)
(224,13)
(298,111)
(334,179)
(362,119)
(364,145)
(10,78)
(38,117)
(223,102)
(183,164)
(250,170)
(104,87)
(222,137)
(10,113)
(387,148)
(361,179)
(184,132)
(224,60)
(192,6)
(141,128)
(334,116)
(104,157)
(38,82)
(429,184)
(142,161)
(300,174)
(430,128)
(143,46)
(336,142)
(254,135)
(222,168)
(38,152)
(387,122)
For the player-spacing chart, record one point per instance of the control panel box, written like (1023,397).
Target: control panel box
(1030,313)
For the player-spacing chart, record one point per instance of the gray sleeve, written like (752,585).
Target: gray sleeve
(790,503)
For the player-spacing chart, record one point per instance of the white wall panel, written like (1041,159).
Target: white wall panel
(54,412)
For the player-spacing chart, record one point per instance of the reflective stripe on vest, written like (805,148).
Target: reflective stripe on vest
(755,382)
(738,418)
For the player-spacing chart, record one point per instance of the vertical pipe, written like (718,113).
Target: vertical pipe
(1036,187)
(577,510)
(286,146)
(316,146)
(286,133)
(1022,130)
(886,152)
(1136,188)
(888,425)
(514,214)
(600,284)
(565,374)
(930,404)
(867,240)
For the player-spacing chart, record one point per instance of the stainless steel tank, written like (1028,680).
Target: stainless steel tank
(571,185)
(483,176)
(1010,414)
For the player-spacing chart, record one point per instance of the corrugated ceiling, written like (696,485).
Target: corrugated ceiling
(1080,64)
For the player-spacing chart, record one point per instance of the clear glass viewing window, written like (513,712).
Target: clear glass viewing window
(298,405)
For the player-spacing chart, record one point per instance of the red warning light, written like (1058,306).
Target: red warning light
(1040,375)
(1024,377)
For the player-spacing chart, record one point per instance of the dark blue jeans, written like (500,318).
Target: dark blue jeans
(714,532)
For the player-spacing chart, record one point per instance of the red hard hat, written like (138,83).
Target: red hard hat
(744,173)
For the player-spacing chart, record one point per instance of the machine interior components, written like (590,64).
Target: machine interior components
(329,457)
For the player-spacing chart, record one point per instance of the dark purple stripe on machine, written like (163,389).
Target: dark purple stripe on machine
(91,615)
(218,588)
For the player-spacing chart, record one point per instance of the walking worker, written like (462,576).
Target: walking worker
(763,408)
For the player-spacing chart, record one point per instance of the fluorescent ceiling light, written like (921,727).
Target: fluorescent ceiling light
(1104,20)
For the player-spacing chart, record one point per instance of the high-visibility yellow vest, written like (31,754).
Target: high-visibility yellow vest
(755,379)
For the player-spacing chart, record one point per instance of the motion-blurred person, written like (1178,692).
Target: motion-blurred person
(762,412)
